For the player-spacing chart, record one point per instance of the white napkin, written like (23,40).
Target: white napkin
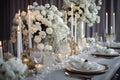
(111,51)
(84,65)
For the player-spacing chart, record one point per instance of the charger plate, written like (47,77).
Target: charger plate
(105,55)
(87,72)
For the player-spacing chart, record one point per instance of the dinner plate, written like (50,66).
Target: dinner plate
(105,55)
(87,72)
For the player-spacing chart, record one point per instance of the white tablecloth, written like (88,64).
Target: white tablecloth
(113,64)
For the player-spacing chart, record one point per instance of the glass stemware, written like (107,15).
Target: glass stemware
(7,48)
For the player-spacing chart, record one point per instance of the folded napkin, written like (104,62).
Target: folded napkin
(104,50)
(84,65)
(111,51)
(114,44)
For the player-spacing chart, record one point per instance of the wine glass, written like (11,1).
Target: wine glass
(112,37)
(7,48)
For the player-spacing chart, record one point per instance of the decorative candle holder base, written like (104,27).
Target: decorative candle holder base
(73,47)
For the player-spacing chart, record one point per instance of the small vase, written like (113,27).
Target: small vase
(81,29)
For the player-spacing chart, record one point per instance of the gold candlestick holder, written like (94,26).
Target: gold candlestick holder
(29,50)
(73,47)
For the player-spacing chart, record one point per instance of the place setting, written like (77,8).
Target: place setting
(84,69)
(104,52)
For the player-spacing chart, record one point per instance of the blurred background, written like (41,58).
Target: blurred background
(8,9)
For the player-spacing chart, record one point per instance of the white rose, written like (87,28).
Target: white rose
(98,19)
(69,12)
(43,20)
(43,12)
(50,13)
(16,21)
(35,4)
(23,14)
(48,47)
(37,23)
(59,13)
(82,5)
(48,23)
(42,7)
(38,17)
(40,46)
(54,8)
(38,27)
(37,12)
(32,18)
(37,39)
(42,34)
(25,32)
(50,17)
(49,30)
(47,5)
(54,26)
(22,68)
(33,29)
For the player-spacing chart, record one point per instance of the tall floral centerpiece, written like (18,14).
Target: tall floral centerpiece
(46,26)
(82,11)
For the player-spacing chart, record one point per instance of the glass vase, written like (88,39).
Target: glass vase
(80,30)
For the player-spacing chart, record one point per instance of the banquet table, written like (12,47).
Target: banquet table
(112,63)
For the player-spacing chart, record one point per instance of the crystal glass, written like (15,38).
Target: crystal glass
(112,37)
(7,46)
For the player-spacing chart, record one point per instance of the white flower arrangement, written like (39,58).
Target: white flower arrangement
(47,25)
(85,10)
(13,69)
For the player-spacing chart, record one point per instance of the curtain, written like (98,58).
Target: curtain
(10,7)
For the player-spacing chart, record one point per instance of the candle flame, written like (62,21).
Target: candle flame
(114,14)
(28,8)
(19,12)
(71,5)
(39,66)
(18,28)
(0,43)
(111,27)
(106,13)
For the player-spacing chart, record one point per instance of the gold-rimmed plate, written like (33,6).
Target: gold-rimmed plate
(87,72)
(105,55)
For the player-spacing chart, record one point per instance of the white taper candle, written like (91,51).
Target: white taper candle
(106,23)
(29,31)
(75,29)
(1,52)
(20,28)
(113,23)
(18,42)
(72,20)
